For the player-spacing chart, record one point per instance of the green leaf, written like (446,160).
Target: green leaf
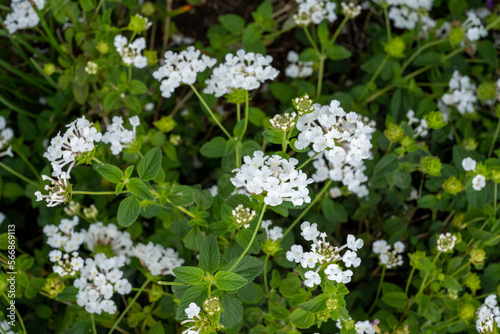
(138,188)
(157,329)
(228,281)
(150,164)
(290,286)
(302,319)
(315,305)
(386,165)
(249,267)
(191,275)
(395,299)
(487,50)
(110,172)
(128,211)
(232,312)
(110,100)
(181,195)
(281,91)
(194,239)
(128,171)
(273,136)
(232,23)
(215,148)
(252,41)
(87,5)
(337,52)
(243,238)
(209,255)
(137,87)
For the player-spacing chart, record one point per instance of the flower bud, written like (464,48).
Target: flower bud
(54,286)
(151,56)
(49,68)
(394,133)
(477,256)
(453,185)
(466,311)
(470,144)
(138,24)
(212,305)
(271,247)
(457,35)
(395,47)
(473,282)
(165,124)
(435,120)
(148,8)
(432,166)
(486,91)
(102,47)
(303,104)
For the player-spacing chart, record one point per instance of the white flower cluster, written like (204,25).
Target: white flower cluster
(274,177)
(118,136)
(178,39)
(78,139)
(181,68)
(243,216)
(23,15)
(473,27)
(158,260)
(58,190)
(6,135)
(64,236)
(65,265)
(479,181)
(364,327)
(4,325)
(99,278)
(343,141)
(422,129)
(119,242)
(283,122)
(91,68)
(326,255)
(274,233)
(298,69)
(131,53)
(407,14)
(390,258)
(488,315)
(446,242)
(314,11)
(241,71)
(462,95)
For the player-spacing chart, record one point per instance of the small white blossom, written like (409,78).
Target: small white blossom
(312,279)
(478,182)
(469,164)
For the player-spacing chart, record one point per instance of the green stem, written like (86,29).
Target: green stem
(95,193)
(251,240)
(493,24)
(378,290)
(409,281)
(495,201)
(22,177)
(308,160)
(460,269)
(117,322)
(238,112)
(311,40)
(210,111)
(284,144)
(94,330)
(174,283)
(420,50)
(129,75)
(96,11)
(374,76)
(326,186)
(28,163)
(97,160)
(186,211)
(322,59)
(337,32)
(448,324)
(245,126)
(19,318)
(494,140)
(387,24)
(265,275)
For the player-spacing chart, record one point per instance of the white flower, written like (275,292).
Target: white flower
(469,164)
(309,232)
(274,177)
(131,53)
(446,242)
(23,15)
(118,136)
(399,247)
(181,68)
(241,71)
(350,259)
(312,279)
(462,95)
(296,68)
(380,246)
(192,311)
(478,182)
(295,254)
(55,255)
(364,327)
(353,243)
(158,260)
(314,11)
